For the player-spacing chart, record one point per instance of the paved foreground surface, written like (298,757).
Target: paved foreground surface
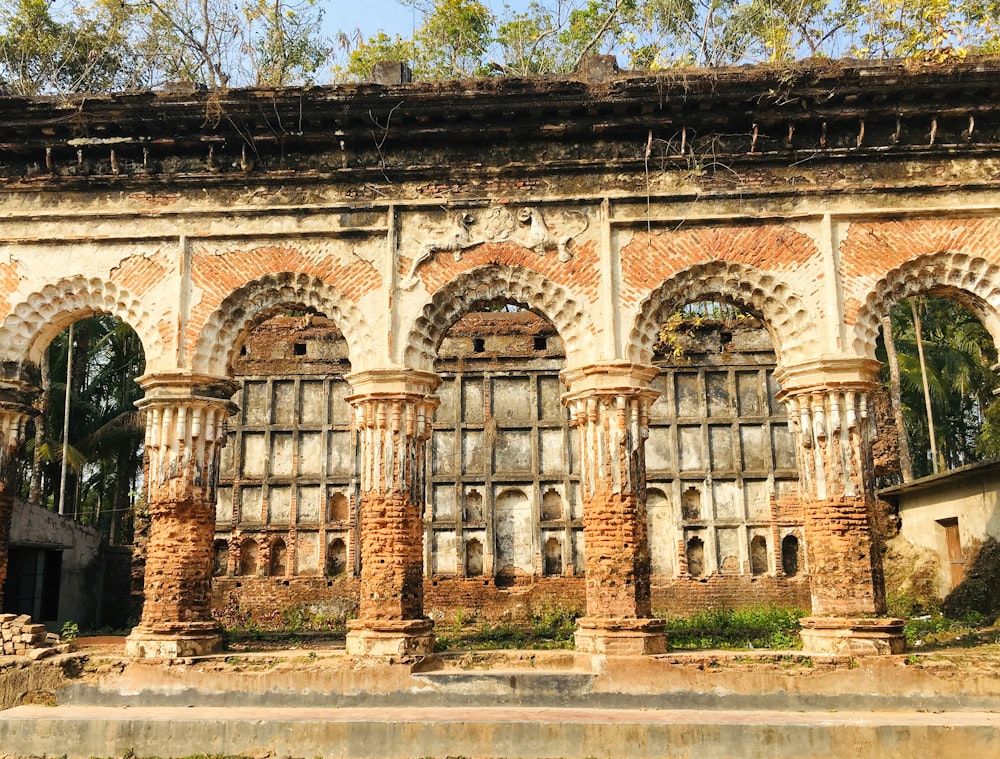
(512,732)
(503,704)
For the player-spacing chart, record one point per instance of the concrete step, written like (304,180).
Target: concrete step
(511,732)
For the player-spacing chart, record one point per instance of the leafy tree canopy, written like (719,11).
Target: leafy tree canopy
(111,45)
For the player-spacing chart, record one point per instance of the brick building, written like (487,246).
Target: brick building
(811,196)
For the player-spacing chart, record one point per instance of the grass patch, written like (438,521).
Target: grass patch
(545,631)
(755,627)
(935,630)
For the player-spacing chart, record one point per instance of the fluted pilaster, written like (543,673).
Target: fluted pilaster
(393,410)
(185,431)
(609,410)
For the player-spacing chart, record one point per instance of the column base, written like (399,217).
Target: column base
(852,636)
(376,637)
(175,641)
(619,636)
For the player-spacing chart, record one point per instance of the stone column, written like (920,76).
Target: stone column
(829,413)
(15,411)
(609,409)
(393,411)
(185,431)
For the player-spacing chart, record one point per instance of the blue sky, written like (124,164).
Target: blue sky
(372,16)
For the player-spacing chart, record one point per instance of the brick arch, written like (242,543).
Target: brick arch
(969,280)
(785,315)
(268,296)
(34,322)
(491,283)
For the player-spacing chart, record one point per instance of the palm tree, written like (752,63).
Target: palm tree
(104,447)
(958,353)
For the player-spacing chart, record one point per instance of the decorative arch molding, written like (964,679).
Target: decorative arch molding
(969,280)
(488,284)
(35,321)
(267,296)
(785,315)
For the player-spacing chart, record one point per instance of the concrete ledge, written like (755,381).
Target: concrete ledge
(848,636)
(81,732)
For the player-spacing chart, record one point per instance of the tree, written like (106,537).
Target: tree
(104,447)
(87,50)
(959,352)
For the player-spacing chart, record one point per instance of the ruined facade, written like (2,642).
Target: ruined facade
(503,532)
(813,197)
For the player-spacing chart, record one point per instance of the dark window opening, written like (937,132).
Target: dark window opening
(478,345)
(696,557)
(758,555)
(32,585)
(300,349)
(790,555)
(540,343)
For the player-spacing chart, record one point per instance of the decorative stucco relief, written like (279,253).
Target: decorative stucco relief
(527,228)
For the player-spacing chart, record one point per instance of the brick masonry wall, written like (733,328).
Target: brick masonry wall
(478,598)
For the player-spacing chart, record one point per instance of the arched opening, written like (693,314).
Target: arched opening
(83,459)
(279,559)
(500,459)
(758,555)
(660,529)
(288,465)
(512,529)
(719,444)
(249,557)
(790,555)
(88,464)
(937,350)
(336,557)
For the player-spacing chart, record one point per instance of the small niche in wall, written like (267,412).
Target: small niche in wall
(279,558)
(473,506)
(249,557)
(338,508)
(696,557)
(691,503)
(336,557)
(473,558)
(553,557)
(758,555)
(552,505)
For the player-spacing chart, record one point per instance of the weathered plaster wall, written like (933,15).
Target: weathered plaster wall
(970,495)
(81,584)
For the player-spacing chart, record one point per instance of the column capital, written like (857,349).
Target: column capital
(177,387)
(608,378)
(391,383)
(830,372)
(185,429)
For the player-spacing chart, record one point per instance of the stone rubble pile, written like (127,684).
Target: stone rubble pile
(19,636)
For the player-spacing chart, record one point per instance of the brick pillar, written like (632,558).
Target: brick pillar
(829,413)
(609,409)
(393,410)
(15,411)
(185,431)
